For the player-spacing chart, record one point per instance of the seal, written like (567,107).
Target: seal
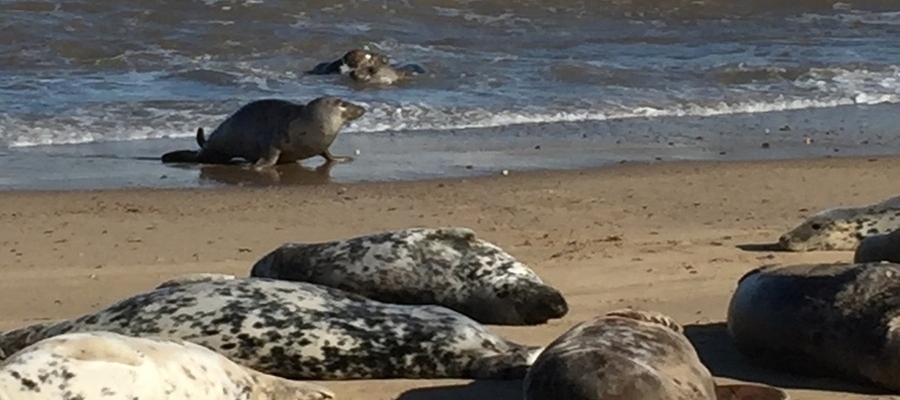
(384,74)
(838,320)
(353,59)
(94,365)
(629,354)
(271,131)
(186,279)
(446,266)
(842,228)
(300,330)
(881,247)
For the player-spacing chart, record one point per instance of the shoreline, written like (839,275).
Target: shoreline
(415,155)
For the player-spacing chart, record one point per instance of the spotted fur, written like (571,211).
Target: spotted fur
(625,354)
(304,331)
(843,228)
(441,266)
(836,320)
(106,365)
(194,278)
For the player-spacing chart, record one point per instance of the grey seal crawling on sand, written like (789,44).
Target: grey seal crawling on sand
(271,131)
(826,320)
(303,331)
(882,247)
(353,59)
(446,266)
(842,228)
(95,365)
(629,355)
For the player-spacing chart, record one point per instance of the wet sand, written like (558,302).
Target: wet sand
(411,155)
(660,236)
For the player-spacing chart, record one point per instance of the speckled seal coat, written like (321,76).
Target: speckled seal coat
(629,355)
(304,331)
(843,228)
(106,365)
(444,266)
(881,247)
(271,131)
(827,320)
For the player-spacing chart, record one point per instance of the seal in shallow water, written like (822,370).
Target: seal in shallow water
(353,59)
(384,74)
(269,132)
(842,228)
(106,365)
(444,266)
(304,331)
(629,355)
(825,320)
(881,247)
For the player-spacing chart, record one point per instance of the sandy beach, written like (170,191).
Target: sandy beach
(660,236)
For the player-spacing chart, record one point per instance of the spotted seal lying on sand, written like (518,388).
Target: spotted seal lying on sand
(881,247)
(826,320)
(304,331)
(95,365)
(446,266)
(271,131)
(842,228)
(384,74)
(353,59)
(629,355)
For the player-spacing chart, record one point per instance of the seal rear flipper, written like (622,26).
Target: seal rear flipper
(510,366)
(181,156)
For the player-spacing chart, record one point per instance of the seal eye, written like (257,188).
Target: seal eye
(816,227)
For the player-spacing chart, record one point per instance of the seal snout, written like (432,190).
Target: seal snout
(351,111)
(540,308)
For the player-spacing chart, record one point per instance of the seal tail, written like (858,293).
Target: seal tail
(201,138)
(511,365)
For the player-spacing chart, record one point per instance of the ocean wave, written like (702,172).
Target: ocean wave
(165,122)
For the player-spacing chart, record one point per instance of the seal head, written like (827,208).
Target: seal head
(842,228)
(352,60)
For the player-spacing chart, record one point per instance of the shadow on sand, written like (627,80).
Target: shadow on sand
(477,390)
(762,247)
(718,353)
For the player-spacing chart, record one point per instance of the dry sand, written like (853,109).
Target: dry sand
(660,236)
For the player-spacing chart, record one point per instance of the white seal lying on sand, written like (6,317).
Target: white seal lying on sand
(269,132)
(303,331)
(882,247)
(842,228)
(825,320)
(106,365)
(446,266)
(629,355)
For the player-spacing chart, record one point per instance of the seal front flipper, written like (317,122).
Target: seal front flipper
(268,160)
(511,365)
(330,158)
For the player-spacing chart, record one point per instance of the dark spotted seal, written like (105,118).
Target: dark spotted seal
(825,320)
(628,355)
(444,266)
(303,331)
(106,365)
(269,132)
(353,59)
(384,74)
(881,247)
(842,228)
